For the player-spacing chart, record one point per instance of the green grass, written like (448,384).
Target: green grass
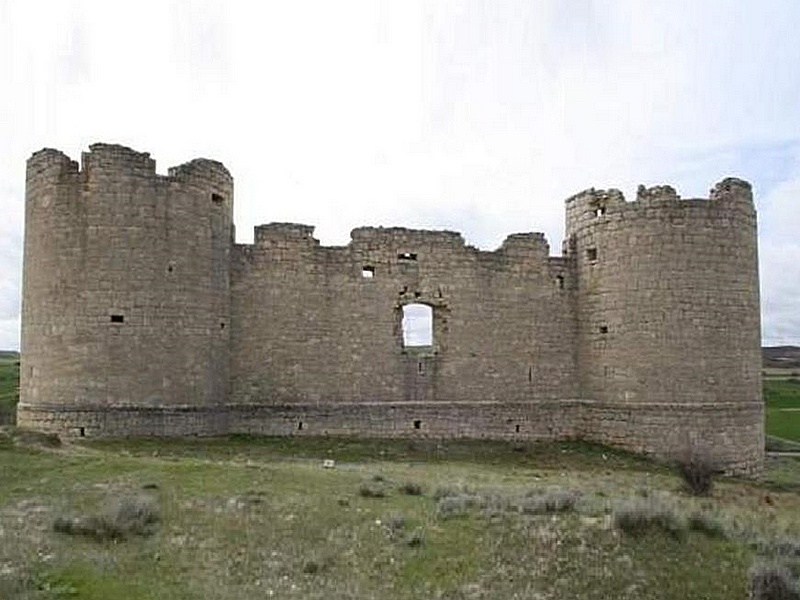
(242,516)
(9,381)
(779,395)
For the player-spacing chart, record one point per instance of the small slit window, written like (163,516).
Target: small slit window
(117,318)
(217,199)
(407,256)
(599,211)
(560,281)
(603,329)
(591,254)
(368,272)
(417,424)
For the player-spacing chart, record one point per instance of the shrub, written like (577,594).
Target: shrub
(444,491)
(708,524)
(456,506)
(317,565)
(371,490)
(773,582)
(639,518)
(554,501)
(411,489)
(416,538)
(122,517)
(698,473)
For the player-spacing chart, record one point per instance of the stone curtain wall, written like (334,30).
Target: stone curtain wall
(309,327)
(141,316)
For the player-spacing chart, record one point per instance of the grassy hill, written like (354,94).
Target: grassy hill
(233,518)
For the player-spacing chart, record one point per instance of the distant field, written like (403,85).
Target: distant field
(782,397)
(9,380)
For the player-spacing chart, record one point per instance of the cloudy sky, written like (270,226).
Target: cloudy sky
(479,116)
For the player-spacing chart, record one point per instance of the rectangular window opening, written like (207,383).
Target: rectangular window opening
(417,326)
(117,318)
(368,272)
(417,424)
(560,281)
(591,254)
(299,426)
(603,328)
(599,211)
(407,256)
(82,431)
(217,198)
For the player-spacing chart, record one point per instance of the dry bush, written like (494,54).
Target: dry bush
(708,524)
(698,472)
(411,489)
(641,517)
(773,582)
(371,490)
(456,505)
(122,517)
(444,491)
(553,501)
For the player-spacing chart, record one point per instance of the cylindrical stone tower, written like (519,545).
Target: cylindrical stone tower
(125,295)
(668,322)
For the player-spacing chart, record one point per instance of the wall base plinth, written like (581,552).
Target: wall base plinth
(731,435)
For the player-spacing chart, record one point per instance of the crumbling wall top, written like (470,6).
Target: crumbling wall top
(49,158)
(395,235)
(276,233)
(202,167)
(732,188)
(117,157)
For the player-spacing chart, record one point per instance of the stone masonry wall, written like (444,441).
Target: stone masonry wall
(668,314)
(309,327)
(141,316)
(126,297)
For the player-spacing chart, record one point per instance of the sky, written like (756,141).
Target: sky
(475,116)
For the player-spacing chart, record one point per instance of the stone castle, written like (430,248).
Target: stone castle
(143,316)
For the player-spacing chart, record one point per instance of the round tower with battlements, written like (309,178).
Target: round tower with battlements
(667,306)
(125,295)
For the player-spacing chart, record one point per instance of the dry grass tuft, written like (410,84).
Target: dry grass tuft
(640,517)
(122,517)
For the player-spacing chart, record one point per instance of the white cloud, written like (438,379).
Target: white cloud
(480,116)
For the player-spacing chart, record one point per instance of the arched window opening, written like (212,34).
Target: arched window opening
(417,325)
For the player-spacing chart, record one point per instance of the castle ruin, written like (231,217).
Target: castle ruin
(142,316)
